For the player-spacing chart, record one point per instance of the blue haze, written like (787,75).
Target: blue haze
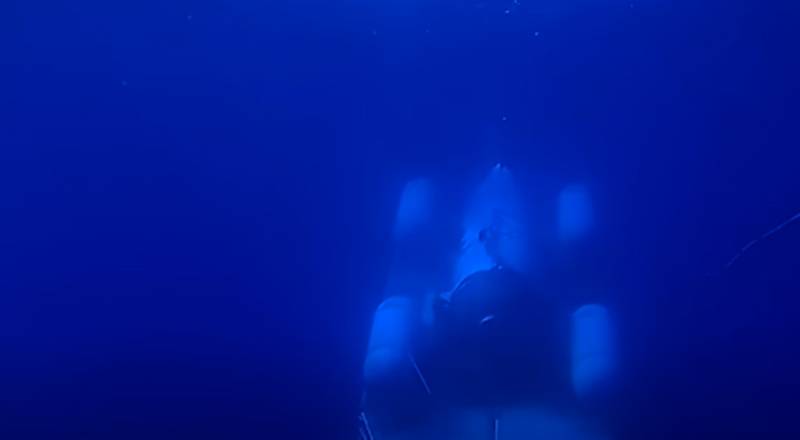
(196,199)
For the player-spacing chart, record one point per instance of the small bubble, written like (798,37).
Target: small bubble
(505,118)
(536,34)
(508,11)
(188,18)
(123,83)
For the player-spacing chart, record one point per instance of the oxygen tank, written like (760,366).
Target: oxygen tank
(388,353)
(593,351)
(575,216)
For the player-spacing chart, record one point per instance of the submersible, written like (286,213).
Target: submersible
(494,355)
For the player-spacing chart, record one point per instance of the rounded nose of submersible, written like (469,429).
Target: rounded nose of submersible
(494,227)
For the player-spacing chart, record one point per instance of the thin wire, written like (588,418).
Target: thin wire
(366,433)
(769,233)
(419,373)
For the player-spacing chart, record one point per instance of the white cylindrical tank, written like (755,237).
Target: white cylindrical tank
(415,208)
(390,342)
(593,350)
(575,215)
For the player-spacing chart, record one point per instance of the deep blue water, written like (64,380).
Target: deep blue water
(197,198)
